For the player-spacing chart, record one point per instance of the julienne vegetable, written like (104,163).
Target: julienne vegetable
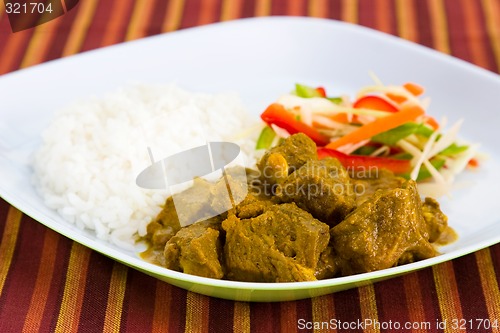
(362,162)
(378,126)
(266,138)
(383,126)
(276,114)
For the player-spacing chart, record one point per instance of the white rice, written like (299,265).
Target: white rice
(93,151)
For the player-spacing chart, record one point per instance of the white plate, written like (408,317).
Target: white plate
(260,59)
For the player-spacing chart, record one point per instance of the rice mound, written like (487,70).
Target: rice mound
(92,152)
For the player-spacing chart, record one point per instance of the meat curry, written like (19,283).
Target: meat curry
(302,219)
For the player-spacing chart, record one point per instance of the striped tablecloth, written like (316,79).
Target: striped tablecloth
(49,283)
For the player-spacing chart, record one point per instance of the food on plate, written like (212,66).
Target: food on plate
(93,150)
(333,187)
(383,126)
(303,219)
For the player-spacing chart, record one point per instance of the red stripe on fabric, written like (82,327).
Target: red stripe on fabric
(347,306)
(279,7)
(45,275)
(11,59)
(99,25)
(393,25)
(288,316)
(495,257)
(121,15)
(95,299)
(190,14)
(178,311)
(209,12)
(158,16)
(335,9)
(413,298)
(277,316)
(5,32)
(248,8)
(20,282)
(3,16)
(263,317)
(304,310)
(55,296)
(387,292)
(366,13)
(163,303)
(424,25)
(430,301)
(386,17)
(139,302)
(457,30)
(4,209)
(221,315)
(468,283)
(296,8)
(478,38)
(62,33)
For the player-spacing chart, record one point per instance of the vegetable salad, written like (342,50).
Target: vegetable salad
(382,126)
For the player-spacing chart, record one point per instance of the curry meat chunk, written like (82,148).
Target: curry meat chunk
(252,206)
(283,244)
(369,182)
(322,188)
(164,226)
(229,190)
(280,161)
(437,222)
(386,227)
(201,201)
(327,265)
(196,249)
(296,219)
(435,219)
(191,204)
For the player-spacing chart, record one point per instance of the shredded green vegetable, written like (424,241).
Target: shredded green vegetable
(266,138)
(365,150)
(335,100)
(424,173)
(402,156)
(453,149)
(392,136)
(304,91)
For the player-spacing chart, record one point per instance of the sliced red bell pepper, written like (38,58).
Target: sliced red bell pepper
(277,114)
(375,103)
(362,163)
(321,91)
(473,163)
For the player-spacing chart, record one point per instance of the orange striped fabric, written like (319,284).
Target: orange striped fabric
(491,12)
(368,306)
(42,285)
(413,298)
(116,296)
(7,245)
(447,291)
(173,18)
(74,287)
(50,284)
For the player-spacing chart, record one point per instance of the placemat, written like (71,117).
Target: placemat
(49,283)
